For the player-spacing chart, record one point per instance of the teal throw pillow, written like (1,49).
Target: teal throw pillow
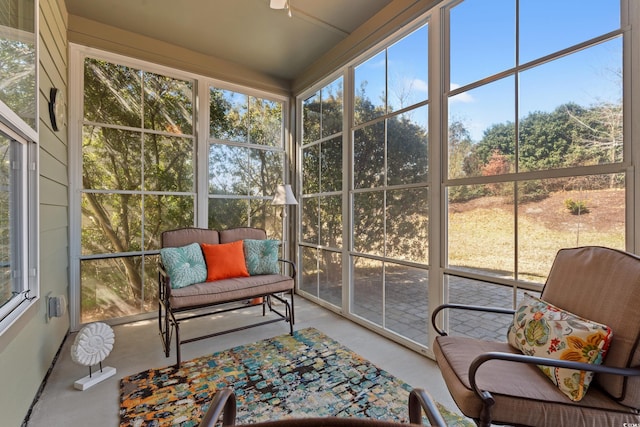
(184,265)
(261,256)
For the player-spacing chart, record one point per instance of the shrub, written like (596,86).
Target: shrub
(576,207)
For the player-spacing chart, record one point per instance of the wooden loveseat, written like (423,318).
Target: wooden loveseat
(207,297)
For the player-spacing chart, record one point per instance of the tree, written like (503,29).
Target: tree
(18,78)
(251,169)
(387,153)
(568,136)
(124,168)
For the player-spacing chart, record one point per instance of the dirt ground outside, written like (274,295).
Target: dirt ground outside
(481,231)
(606,209)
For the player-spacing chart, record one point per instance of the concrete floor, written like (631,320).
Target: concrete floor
(138,347)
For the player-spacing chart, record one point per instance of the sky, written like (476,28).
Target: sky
(483,43)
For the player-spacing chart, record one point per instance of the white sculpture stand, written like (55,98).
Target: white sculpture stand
(94,378)
(91,346)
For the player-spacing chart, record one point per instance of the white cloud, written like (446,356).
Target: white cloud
(417,85)
(463,97)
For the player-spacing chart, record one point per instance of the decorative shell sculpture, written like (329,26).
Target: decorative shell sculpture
(93,344)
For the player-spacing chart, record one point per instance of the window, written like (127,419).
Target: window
(321,205)
(138,179)
(18,230)
(18,40)
(390,187)
(535,153)
(19,275)
(150,160)
(375,165)
(536,150)
(246,160)
(474,150)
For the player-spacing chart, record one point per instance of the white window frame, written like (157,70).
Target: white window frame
(285,148)
(77,55)
(27,271)
(28,236)
(438,41)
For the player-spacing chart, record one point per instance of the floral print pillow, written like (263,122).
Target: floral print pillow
(544,330)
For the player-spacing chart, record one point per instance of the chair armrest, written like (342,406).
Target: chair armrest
(420,400)
(485,309)
(292,264)
(535,360)
(223,403)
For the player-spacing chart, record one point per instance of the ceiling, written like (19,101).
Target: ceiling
(245,32)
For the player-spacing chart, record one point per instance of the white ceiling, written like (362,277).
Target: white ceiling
(246,32)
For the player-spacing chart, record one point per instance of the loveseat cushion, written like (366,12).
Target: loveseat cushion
(184,265)
(241,233)
(188,235)
(227,290)
(261,256)
(224,260)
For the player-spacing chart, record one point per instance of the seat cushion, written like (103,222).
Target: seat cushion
(227,290)
(538,401)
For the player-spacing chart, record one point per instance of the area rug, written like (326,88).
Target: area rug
(307,374)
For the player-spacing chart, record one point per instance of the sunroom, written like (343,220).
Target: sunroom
(441,151)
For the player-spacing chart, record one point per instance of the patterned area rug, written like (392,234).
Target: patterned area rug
(304,375)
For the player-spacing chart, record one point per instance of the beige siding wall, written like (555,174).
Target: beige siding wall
(28,348)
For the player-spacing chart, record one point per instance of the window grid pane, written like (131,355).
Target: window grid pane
(246,160)
(136,183)
(568,120)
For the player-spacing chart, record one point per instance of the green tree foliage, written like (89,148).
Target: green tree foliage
(124,164)
(569,136)
(497,139)
(322,173)
(18,78)
(463,161)
(253,168)
(388,152)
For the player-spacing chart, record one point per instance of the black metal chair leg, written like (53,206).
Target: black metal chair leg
(293,316)
(177,326)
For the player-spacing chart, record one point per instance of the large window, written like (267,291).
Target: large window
(18,231)
(161,149)
(19,168)
(377,167)
(475,150)
(138,179)
(321,237)
(246,160)
(389,188)
(536,157)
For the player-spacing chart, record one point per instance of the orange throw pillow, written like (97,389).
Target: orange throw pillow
(224,261)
